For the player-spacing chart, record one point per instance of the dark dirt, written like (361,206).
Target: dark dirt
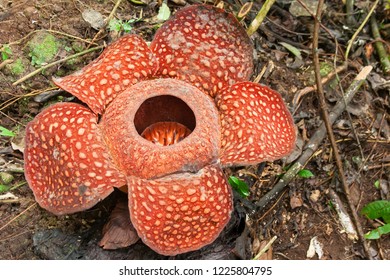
(301,212)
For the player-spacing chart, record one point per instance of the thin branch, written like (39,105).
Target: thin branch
(5,62)
(306,90)
(330,33)
(349,9)
(359,29)
(314,142)
(107,21)
(255,24)
(329,129)
(55,63)
(380,49)
(16,217)
(265,249)
(51,31)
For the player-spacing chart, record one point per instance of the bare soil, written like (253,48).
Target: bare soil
(300,213)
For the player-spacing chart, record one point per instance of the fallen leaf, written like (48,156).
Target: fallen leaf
(164,12)
(8,197)
(314,195)
(328,229)
(369,49)
(296,201)
(94,18)
(315,247)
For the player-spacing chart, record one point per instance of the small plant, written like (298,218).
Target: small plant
(43,48)
(119,25)
(4,188)
(17,67)
(239,186)
(6,132)
(5,180)
(379,209)
(5,52)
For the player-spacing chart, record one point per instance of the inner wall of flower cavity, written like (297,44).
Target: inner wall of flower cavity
(164,120)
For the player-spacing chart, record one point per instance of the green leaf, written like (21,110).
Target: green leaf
(305,173)
(325,69)
(4,188)
(331,205)
(292,49)
(164,12)
(115,25)
(240,186)
(376,209)
(377,184)
(378,232)
(127,26)
(6,52)
(6,132)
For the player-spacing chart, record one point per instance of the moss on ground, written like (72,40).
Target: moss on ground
(17,67)
(43,48)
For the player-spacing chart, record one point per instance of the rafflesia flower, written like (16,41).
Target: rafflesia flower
(163,120)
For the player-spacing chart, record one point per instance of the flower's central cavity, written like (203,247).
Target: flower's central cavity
(164,120)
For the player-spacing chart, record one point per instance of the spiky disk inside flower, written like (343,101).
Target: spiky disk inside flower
(205,46)
(67,164)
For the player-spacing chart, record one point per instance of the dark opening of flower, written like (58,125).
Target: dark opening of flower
(164,119)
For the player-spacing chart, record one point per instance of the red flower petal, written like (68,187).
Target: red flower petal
(66,162)
(123,63)
(205,46)
(149,103)
(180,212)
(256,125)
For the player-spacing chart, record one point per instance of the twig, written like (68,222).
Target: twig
(314,142)
(380,49)
(255,24)
(245,9)
(51,31)
(359,29)
(265,248)
(329,129)
(370,167)
(349,9)
(55,63)
(16,217)
(324,80)
(5,62)
(330,33)
(16,98)
(15,235)
(107,21)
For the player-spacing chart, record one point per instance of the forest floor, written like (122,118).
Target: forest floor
(302,221)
